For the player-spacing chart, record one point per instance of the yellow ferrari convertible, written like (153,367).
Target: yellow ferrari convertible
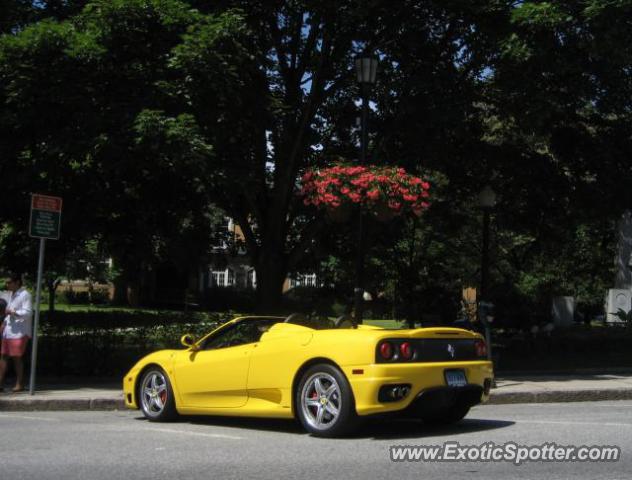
(326,376)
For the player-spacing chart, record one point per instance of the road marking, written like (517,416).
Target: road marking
(198,434)
(25,417)
(571,404)
(553,422)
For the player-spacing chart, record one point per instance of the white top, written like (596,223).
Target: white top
(20,324)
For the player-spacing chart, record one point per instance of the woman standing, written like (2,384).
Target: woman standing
(17,328)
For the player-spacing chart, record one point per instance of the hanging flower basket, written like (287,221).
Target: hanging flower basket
(386,192)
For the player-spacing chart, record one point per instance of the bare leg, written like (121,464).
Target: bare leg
(3,370)
(19,372)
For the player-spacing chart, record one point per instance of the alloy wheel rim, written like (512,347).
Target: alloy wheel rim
(321,401)
(154,393)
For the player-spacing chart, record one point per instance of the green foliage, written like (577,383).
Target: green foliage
(545,15)
(108,342)
(146,115)
(82,106)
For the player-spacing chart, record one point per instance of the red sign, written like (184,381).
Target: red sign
(43,202)
(45,217)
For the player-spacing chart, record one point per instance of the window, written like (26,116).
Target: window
(304,280)
(219,278)
(223,278)
(241,333)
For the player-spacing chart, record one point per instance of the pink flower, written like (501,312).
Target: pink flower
(373,194)
(357,183)
(355,197)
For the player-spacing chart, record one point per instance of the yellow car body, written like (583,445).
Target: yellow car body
(260,378)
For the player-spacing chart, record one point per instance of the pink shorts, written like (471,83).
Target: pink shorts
(14,347)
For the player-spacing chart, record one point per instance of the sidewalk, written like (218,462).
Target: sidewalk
(562,388)
(68,396)
(513,389)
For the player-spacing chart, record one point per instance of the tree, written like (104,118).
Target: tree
(291,78)
(228,104)
(82,116)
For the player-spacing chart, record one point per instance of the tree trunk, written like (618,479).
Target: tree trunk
(127,284)
(52,288)
(134,297)
(51,285)
(271,273)
(119,297)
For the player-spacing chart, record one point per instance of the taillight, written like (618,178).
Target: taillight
(386,350)
(406,349)
(481,348)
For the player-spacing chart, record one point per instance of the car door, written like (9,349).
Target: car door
(216,375)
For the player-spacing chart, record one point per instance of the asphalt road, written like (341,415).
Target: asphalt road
(111,445)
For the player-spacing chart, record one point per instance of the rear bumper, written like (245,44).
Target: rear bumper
(427,385)
(435,399)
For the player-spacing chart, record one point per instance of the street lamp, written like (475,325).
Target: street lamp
(486,201)
(366,71)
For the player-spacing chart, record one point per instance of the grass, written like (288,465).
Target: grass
(393,324)
(64,307)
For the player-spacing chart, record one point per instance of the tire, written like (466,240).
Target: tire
(155,396)
(324,402)
(447,416)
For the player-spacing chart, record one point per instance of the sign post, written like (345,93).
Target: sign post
(44,224)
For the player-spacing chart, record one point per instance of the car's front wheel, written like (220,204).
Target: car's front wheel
(156,397)
(324,402)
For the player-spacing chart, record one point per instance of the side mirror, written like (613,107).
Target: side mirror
(188,341)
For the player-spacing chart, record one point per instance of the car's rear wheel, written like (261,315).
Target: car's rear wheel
(324,402)
(446,416)
(155,395)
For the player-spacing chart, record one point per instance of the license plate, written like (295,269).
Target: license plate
(455,378)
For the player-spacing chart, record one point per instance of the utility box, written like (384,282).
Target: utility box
(616,299)
(563,311)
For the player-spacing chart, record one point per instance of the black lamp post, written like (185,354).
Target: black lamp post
(366,70)
(486,201)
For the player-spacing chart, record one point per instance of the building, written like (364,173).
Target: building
(231,267)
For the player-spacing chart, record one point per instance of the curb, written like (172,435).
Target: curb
(69,404)
(564,372)
(560,396)
(496,398)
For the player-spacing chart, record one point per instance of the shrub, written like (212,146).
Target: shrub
(109,342)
